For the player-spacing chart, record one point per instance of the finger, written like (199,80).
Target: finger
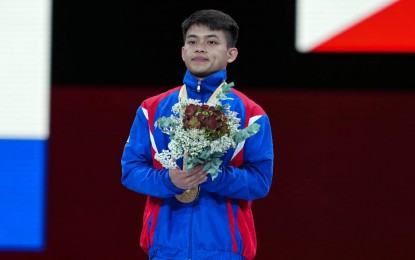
(202,180)
(201,172)
(194,172)
(193,180)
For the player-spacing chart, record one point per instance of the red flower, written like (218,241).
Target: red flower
(193,122)
(190,109)
(209,118)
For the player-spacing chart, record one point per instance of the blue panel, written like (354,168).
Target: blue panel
(22,194)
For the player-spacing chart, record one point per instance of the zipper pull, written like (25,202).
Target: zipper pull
(198,86)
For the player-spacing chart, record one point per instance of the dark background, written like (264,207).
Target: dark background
(343,129)
(136,43)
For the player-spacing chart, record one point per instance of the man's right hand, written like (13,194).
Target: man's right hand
(188,179)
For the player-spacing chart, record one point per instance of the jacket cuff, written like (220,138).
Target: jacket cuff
(169,184)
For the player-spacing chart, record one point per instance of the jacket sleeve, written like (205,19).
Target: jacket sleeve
(138,171)
(252,180)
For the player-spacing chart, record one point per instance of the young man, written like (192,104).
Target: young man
(217,222)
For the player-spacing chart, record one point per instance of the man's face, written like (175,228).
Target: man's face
(205,51)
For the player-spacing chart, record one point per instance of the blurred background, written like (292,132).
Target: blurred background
(335,78)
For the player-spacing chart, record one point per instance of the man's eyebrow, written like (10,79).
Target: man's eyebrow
(205,36)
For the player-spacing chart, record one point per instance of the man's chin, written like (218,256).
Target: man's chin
(200,74)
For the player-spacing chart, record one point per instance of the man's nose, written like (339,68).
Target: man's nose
(201,47)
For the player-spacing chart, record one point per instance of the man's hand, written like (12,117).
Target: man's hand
(188,179)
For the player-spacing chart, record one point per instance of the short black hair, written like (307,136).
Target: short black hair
(214,20)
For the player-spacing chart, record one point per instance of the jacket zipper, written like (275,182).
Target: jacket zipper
(193,203)
(190,232)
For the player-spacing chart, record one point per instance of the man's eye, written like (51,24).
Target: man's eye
(191,42)
(212,42)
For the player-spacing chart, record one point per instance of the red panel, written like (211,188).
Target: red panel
(390,30)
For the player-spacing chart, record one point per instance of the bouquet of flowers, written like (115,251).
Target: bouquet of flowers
(201,133)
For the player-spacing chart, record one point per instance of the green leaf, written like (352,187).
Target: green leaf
(226,88)
(204,155)
(163,123)
(189,164)
(243,134)
(212,167)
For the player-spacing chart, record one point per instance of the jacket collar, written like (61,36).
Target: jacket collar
(207,85)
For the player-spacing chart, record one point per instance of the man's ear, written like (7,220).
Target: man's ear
(232,54)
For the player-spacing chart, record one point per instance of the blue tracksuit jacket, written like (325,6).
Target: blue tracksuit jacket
(219,224)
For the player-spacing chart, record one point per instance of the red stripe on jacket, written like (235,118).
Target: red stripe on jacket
(153,204)
(244,217)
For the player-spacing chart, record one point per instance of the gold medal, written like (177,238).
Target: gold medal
(188,195)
